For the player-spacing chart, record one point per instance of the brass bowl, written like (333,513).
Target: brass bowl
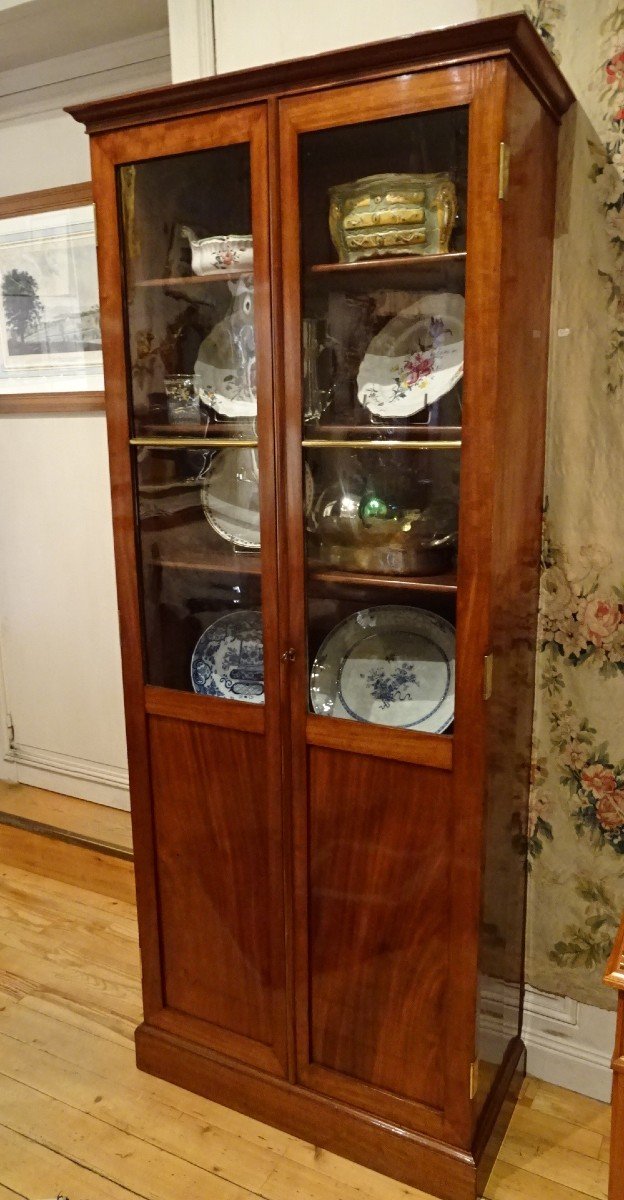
(384,215)
(365,533)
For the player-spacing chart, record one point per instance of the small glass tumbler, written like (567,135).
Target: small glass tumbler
(182,392)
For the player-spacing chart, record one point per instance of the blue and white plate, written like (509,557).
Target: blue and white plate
(390,665)
(228,660)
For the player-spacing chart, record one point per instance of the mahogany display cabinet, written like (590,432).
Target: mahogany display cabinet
(325,314)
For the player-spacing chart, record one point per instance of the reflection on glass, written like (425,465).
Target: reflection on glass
(199,540)
(188,257)
(382,249)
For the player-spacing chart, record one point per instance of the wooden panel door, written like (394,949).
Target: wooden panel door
(189,393)
(390,353)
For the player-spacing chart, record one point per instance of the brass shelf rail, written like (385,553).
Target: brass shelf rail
(198,443)
(377,444)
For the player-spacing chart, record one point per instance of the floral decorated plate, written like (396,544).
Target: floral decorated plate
(415,359)
(225,369)
(390,665)
(228,658)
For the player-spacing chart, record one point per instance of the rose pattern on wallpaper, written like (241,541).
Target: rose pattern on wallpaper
(573,772)
(579,621)
(588,945)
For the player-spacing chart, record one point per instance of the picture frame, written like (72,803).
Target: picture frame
(50,340)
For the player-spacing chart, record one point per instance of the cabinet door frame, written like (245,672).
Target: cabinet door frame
(238,124)
(481,87)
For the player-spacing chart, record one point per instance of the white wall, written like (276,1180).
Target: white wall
(58,612)
(59,639)
(249,32)
(42,151)
(58,626)
(244,33)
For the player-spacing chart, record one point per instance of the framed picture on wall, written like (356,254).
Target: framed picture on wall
(50,341)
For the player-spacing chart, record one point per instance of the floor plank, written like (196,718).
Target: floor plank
(579,1110)
(512,1183)
(32,1170)
(588,1175)
(69,864)
(82,817)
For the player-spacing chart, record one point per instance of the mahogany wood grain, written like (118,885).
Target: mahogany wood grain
(213,852)
(497,1112)
(415,1159)
(614,977)
(297,965)
(71,195)
(525,280)
(25,403)
(511,37)
(616,1161)
(346,106)
(112,324)
(416,265)
(614,974)
(229,128)
(282,594)
(206,710)
(402,745)
(194,280)
(379,867)
(407,583)
(478,464)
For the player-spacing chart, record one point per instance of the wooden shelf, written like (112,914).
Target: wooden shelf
(205,429)
(417,432)
(412,262)
(196,547)
(239,563)
(446,582)
(195,280)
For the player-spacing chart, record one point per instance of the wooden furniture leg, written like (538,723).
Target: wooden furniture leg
(615,978)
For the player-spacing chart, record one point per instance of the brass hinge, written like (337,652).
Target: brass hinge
(503,170)
(474,1078)
(10,731)
(488,671)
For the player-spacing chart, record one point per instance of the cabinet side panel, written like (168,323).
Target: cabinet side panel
(379,861)
(212,855)
(528,218)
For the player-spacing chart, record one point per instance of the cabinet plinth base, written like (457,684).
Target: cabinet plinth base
(422,1162)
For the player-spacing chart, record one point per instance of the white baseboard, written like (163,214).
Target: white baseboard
(568,1043)
(99,782)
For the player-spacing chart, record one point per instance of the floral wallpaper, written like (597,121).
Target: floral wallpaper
(576,824)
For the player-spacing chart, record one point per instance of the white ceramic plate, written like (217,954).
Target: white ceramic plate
(390,665)
(416,358)
(230,498)
(228,659)
(226,360)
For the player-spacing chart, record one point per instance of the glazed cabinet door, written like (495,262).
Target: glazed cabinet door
(390,243)
(189,382)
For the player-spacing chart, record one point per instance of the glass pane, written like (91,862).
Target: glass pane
(188,259)
(188,256)
(383,261)
(199,539)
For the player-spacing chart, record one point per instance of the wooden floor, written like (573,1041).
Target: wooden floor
(30,806)
(77,1117)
